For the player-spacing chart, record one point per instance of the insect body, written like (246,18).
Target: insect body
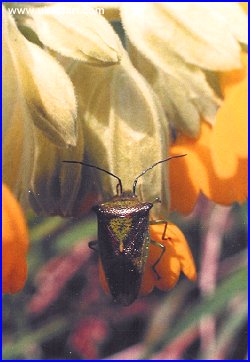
(123,239)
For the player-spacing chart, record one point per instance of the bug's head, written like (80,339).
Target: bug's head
(119,190)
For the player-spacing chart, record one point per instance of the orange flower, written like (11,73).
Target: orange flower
(176,259)
(216,162)
(14,244)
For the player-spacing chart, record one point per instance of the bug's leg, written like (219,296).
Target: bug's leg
(156,243)
(159,222)
(163,249)
(93,245)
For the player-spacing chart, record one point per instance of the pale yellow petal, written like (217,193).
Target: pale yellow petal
(18,151)
(10,87)
(182,88)
(54,186)
(193,31)
(189,30)
(125,127)
(233,16)
(44,85)
(12,148)
(174,98)
(77,31)
(50,97)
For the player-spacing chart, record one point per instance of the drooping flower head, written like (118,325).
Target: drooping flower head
(73,92)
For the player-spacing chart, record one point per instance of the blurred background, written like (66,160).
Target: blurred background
(63,313)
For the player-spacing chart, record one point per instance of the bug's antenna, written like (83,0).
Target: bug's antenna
(119,185)
(150,168)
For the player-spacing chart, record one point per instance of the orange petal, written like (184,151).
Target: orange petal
(184,192)
(230,79)
(14,243)
(182,251)
(169,266)
(230,134)
(198,171)
(190,174)
(169,269)
(177,256)
(216,162)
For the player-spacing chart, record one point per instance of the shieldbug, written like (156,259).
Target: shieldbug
(124,239)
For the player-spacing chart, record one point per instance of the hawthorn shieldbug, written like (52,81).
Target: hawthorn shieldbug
(124,239)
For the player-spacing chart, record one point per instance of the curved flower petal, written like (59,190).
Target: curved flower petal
(14,244)
(14,151)
(175,98)
(231,15)
(221,25)
(125,128)
(56,188)
(176,27)
(77,31)
(43,109)
(196,172)
(176,258)
(182,87)
(235,87)
(182,250)
(185,186)
(216,163)
(41,83)
(10,90)
(170,273)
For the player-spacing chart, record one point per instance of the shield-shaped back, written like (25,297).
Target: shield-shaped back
(123,238)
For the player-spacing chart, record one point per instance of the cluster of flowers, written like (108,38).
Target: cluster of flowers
(72,91)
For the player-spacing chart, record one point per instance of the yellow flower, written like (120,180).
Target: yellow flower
(118,113)
(39,117)
(122,120)
(40,112)
(14,243)
(174,45)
